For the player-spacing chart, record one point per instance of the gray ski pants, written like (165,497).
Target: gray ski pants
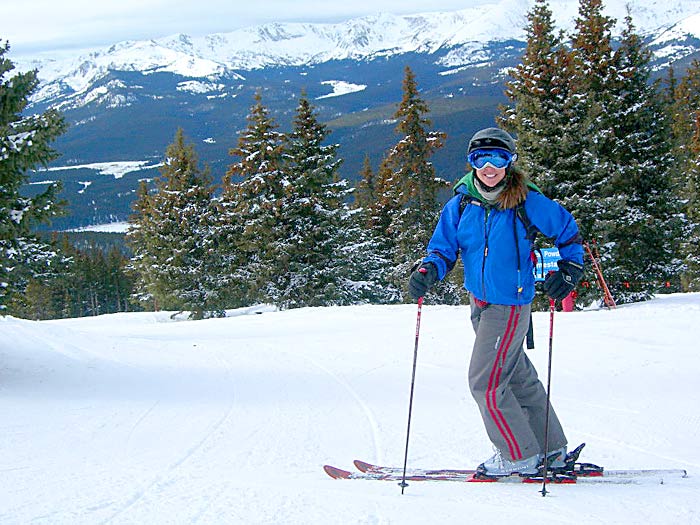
(505,385)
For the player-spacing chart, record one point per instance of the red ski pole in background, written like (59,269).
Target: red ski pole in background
(403,483)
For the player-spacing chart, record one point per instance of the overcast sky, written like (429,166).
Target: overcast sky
(46,25)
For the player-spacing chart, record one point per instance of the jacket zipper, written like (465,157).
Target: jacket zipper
(486,252)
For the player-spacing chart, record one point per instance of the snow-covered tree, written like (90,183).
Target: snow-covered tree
(690,245)
(310,269)
(170,225)
(593,135)
(642,241)
(685,115)
(90,280)
(24,145)
(589,106)
(253,195)
(539,87)
(227,264)
(369,251)
(407,206)
(684,108)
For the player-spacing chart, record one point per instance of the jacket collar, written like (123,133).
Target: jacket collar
(467,186)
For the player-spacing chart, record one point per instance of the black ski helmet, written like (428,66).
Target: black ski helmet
(491,138)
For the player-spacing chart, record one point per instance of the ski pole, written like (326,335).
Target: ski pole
(403,483)
(549,390)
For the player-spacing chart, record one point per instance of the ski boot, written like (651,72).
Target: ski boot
(499,467)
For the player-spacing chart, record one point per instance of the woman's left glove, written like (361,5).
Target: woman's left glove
(421,280)
(561,283)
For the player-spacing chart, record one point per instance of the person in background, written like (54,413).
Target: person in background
(482,222)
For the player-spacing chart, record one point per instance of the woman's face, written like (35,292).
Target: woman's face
(490,176)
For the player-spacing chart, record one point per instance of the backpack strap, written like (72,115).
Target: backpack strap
(531,230)
(465,199)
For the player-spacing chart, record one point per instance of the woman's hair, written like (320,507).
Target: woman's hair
(516,188)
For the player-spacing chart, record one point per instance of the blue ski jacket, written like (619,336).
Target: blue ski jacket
(498,268)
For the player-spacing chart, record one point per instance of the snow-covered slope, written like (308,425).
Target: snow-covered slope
(135,418)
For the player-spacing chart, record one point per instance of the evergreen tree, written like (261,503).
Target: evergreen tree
(142,239)
(625,201)
(592,73)
(369,250)
(684,112)
(684,108)
(254,204)
(690,245)
(378,216)
(642,241)
(541,115)
(44,295)
(539,89)
(570,156)
(407,206)
(222,243)
(168,239)
(118,285)
(24,145)
(591,131)
(313,213)
(87,282)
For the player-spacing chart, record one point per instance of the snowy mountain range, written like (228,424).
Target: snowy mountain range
(125,101)
(464,32)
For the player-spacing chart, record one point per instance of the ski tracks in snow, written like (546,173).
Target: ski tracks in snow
(364,407)
(165,479)
(198,450)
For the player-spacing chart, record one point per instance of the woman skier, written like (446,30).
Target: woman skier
(485,222)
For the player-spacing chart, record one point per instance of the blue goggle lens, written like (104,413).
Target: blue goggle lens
(498,158)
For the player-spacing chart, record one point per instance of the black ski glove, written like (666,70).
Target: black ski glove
(559,284)
(421,280)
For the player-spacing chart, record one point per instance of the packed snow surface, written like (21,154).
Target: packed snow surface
(140,418)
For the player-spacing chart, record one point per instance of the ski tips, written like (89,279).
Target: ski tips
(362,466)
(336,473)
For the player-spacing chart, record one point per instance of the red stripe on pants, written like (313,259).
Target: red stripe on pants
(494,380)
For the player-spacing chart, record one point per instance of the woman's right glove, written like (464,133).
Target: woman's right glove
(559,284)
(421,280)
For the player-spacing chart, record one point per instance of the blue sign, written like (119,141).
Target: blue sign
(546,262)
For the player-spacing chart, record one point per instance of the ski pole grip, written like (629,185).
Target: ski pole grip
(423,271)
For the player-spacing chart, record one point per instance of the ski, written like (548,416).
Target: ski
(363,466)
(463,476)
(571,469)
(396,474)
(571,472)
(582,470)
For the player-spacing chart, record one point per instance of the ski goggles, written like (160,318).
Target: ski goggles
(497,157)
